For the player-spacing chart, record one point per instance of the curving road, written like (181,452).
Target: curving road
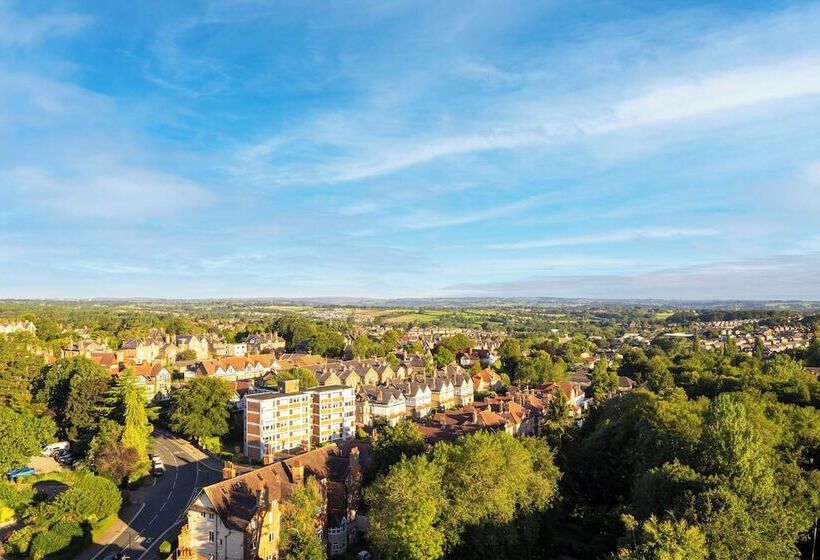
(158,508)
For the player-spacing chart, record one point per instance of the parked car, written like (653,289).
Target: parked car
(52,448)
(16,474)
(364,555)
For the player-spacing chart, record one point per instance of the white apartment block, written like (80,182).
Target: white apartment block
(290,419)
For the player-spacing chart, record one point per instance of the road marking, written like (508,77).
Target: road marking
(153,519)
(158,540)
(127,525)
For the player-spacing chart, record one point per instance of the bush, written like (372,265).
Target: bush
(6,514)
(55,539)
(211,444)
(165,547)
(13,497)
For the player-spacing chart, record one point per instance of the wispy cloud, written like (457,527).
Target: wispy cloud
(17,30)
(773,277)
(105,189)
(705,94)
(608,238)
(459,216)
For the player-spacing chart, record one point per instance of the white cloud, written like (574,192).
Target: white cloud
(458,216)
(19,30)
(105,190)
(611,237)
(703,94)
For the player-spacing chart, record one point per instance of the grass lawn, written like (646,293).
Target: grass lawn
(101,526)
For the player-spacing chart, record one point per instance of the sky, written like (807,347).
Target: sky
(391,148)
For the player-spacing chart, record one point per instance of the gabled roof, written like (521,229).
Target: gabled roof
(236,500)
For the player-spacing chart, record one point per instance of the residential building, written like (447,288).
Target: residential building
(239,518)
(9,327)
(380,403)
(418,397)
(290,419)
(333,411)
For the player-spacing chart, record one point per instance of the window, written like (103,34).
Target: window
(211,536)
(202,513)
(210,516)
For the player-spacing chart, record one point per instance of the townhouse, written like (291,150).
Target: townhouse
(418,397)
(9,327)
(384,403)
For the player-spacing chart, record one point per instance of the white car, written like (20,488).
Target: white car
(57,447)
(157,466)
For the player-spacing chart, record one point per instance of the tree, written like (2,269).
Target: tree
(86,396)
(659,379)
(394,442)
(22,434)
(667,540)
(327,343)
(603,382)
(307,379)
(116,461)
(54,390)
(405,509)
(298,529)
(186,355)
(456,343)
(201,409)
(812,354)
(132,412)
(759,348)
(19,368)
(735,450)
(365,347)
(540,368)
(510,354)
(443,356)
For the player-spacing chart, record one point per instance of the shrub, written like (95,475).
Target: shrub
(13,497)
(6,514)
(165,547)
(55,539)
(212,444)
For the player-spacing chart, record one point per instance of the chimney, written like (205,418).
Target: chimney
(297,469)
(475,415)
(228,470)
(267,456)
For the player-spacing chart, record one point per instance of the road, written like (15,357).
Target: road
(156,509)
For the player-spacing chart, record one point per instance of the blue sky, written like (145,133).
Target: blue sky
(393,148)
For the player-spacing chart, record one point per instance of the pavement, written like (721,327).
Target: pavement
(156,509)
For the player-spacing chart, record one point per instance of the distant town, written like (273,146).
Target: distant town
(267,431)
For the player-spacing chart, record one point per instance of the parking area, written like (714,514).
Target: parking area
(44,465)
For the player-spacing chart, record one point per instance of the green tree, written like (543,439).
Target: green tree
(22,434)
(201,409)
(298,529)
(603,381)
(443,356)
(186,355)
(405,510)
(394,442)
(131,410)
(365,347)
(19,369)
(456,343)
(667,540)
(86,397)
